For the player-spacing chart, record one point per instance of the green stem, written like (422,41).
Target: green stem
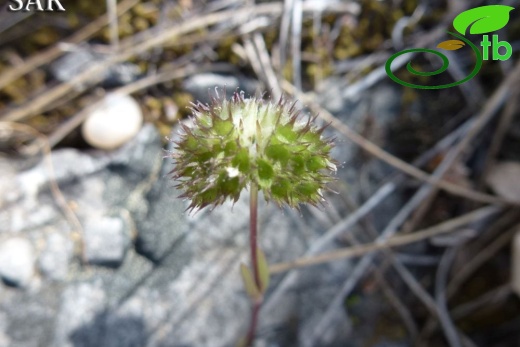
(253,232)
(253,243)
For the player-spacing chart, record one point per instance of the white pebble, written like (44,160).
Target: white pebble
(112,124)
(16,261)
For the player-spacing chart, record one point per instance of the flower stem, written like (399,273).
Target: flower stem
(253,232)
(253,243)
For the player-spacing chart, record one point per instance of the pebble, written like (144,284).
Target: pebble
(79,59)
(116,121)
(105,241)
(16,261)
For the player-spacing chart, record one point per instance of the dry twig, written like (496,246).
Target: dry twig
(383,243)
(55,51)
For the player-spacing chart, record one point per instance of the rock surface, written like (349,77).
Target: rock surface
(81,58)
(172,278)
(54,261)
(16,261)
(105,241)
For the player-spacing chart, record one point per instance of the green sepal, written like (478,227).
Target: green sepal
(241,160)
(222,127)
(298,165)
(315,163)
(229,185)
(278,153)
(286,134)
(308,189)
(281,188)
(231,147)
(265,173)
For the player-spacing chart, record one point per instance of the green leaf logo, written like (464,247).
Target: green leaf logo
(482,19)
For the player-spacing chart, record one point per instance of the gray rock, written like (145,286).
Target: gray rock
(31,314)
(138,159)
(68,166)
(159,216)
(8,193)
(31,217)
(106,191)
(105,241)
(164,223)
(5,340)
(16,261)
(80,304)
(110,330)
(56,256)
(81,58)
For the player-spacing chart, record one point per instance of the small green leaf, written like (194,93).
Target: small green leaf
(263,271)
(483,19)
(451,45)
(249,283)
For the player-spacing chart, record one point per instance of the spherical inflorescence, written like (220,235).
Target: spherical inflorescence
(234,143)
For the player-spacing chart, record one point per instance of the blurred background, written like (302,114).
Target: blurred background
(415,245)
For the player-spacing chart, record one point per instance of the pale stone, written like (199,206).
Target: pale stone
(105,242)
(16,261)
(117,120)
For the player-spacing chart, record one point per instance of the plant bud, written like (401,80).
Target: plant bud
(231,144)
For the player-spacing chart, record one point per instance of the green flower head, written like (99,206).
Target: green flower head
(232,144)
